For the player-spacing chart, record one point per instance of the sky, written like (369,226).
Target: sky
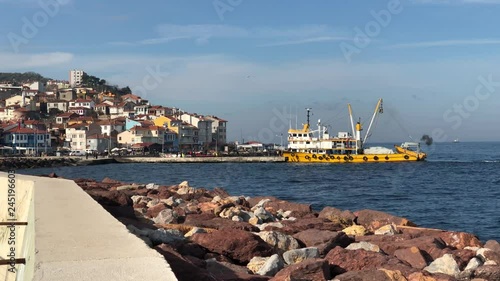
(259,64)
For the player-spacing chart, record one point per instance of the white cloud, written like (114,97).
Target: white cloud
(445,43)
(305,41)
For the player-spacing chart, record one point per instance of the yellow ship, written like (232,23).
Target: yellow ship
(317,146)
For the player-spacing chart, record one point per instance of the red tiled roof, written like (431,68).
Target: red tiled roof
(17,130)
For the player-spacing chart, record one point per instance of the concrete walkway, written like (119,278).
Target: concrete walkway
(77,239)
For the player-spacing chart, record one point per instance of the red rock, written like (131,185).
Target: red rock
(425,276)
(488,272)
(373,220)
(460,240)
(324,240)
(310,269)
(108,180)
(183,269)
(462,257)
(298,210)
(239,245)
(492,245)
(210,221)
(342,260)
(155,210)
(110,198)
(301,224)
(231,272)
(221,192)
(207,207)
(370,275)
(412,256)
(191,249)
(338,216)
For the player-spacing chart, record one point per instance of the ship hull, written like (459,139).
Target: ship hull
(353,158)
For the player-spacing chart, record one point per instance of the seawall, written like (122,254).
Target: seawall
(7,163)
(257,159)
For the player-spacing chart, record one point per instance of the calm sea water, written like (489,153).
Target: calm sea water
(457,188)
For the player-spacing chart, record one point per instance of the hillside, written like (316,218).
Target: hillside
(19,78)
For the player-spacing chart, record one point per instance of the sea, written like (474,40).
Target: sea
(457,188)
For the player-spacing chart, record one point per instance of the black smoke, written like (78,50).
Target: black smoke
(428,140)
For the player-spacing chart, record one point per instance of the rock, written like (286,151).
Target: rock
(162,236)
(271,266)
(275,204)
(488,272)
(425,276)
(412,256)
(152,186)
(218,210)
(492,245)
(210,221)
(194,230)
(312,269)
(324,240)
(337,216)
(279,241)
(52,175)
(298,255)
(207,207)
(183,268)
(254,221)
(127,187)
(236,218)
(301,224)
(221,270)
(184,188)
(488,255)
(462,257)
(110,198)
(155,210)
(136,199)
(355,230)
(239,245)
(372,274)
(445,264)
(191,249)
(367,246)
(112,181)
(271,225)
(166,216)
(153,202)
(263,215)
(256,263)
(342,260)
(387,230)
(473,264)
(373,220)
(460,240)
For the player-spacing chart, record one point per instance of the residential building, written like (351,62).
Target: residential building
(219,129)
(108,126)
(15,100)
(67,94)
(142,134)
(132,98)
(103,108)
(99,142)
(26,140)
(75,77)
(76,135)
(90,104)
(141,110)
(60,105)
(125,109)
(82,111)
(204,126)
(158,110)
(63,118)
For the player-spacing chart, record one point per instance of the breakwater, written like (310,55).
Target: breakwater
(7,163)
(250,159)
(211,235)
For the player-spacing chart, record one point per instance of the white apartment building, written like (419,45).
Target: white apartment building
(75,77)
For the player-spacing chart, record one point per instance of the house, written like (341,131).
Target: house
(89,104)
(85,120)
(219,129)
(108,126)
(103,108)
(157,110)
(142,134)
(82,111)
(15,100)
(99,142)
(188,136)
(76,137)
(204,126)
(35,124)
(63,118)
(141,110)
(60,105)
(26,140)
(67,94)
(132,98)
(125,109)
(171,141)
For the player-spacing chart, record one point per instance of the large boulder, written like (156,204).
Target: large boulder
(281,242)
(227,271)
(372,275)
(413,256)
(373,220)
(311,269)
(299,255)
(304,223)
(445,264)
(343,260)
(338,216)
(274,204)
(210,221)
(239,245)
(110,198)
(324,240)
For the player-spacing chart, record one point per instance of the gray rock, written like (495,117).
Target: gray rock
(136,199)
(160,236)
(272,265)
(152,186)
(166,216)
(279,240)
(264,215)
(445,264)
(473,264)
(261,204)
(273,224)
(298,255)
(367,246)
(127,187)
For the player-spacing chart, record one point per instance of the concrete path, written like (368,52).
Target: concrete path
(77,239)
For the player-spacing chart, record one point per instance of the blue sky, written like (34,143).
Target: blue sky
(260,63)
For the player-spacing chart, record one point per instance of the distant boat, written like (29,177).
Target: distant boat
(456,140)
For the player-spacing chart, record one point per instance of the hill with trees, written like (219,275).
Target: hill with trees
(17,78)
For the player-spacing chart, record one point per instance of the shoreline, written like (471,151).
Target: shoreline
(7,163)
(206,232)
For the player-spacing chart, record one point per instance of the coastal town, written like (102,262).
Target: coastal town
(82,116)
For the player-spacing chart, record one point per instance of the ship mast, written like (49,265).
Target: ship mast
(378,109)
(308,115)
(350,116)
